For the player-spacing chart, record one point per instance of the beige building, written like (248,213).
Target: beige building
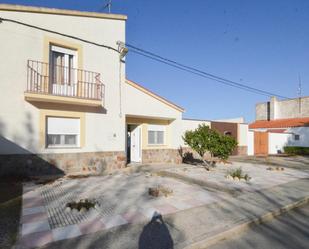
(65,103)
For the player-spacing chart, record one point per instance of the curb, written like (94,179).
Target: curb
(207,242)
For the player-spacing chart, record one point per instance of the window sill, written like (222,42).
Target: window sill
(63,147)
(155,145)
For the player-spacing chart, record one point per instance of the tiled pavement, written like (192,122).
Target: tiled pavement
(123,199)
(261,177)
(39,225)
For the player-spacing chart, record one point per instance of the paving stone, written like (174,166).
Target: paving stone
(181,205)
(36,239)
(148,212)
(66,232)
(34,210)
(35,227)
(166,209)
(113,221)
(36,217)
(194,202)
(134,216)
(91,226)
(32,202)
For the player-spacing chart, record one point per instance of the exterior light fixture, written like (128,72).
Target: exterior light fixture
(123,50)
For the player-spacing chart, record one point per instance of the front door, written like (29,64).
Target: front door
(135,144)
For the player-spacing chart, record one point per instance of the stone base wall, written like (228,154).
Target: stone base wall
(161,156)
(241,151)
(62,163)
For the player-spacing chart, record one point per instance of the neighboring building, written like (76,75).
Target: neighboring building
(279,124)
(237,130)
(65,103)
(282,109)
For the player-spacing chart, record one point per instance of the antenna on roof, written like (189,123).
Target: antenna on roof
(108,5)
(299,92)
(299,86)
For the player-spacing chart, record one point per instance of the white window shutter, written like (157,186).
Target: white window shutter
(63,125)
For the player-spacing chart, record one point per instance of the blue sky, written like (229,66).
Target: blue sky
(261,43)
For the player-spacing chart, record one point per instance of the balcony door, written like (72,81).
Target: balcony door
(63,71)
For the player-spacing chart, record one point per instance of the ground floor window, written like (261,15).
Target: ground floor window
(156,134)
(62,132)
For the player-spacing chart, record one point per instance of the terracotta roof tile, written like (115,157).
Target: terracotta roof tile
(280,123)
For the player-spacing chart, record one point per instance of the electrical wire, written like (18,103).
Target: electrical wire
(199,72)
(57,33)
(158,58)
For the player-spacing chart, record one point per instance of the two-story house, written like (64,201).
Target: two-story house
(66,105)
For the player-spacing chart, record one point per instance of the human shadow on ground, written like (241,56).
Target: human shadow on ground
(155,235)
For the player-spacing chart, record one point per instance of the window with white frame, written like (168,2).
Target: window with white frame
(156,134)
(62,132)
(63,63)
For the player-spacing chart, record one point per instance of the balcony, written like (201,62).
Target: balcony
(60,84)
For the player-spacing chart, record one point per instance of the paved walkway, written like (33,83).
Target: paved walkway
(126,210)
(261,177)
(181,229)
(122,199)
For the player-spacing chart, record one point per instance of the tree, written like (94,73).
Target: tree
(226,145)
(203,139)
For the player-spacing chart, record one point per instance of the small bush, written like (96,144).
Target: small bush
(296,150)
(238,174)
(81,204)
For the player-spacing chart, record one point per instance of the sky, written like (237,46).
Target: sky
(261,43)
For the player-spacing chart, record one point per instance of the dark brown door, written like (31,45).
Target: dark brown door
(260,143)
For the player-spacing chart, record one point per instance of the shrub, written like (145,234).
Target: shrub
(81,204)
(203,139)
(296,150)
(238,174)
(226,145)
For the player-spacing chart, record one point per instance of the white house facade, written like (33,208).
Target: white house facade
(66,105)
(271,136)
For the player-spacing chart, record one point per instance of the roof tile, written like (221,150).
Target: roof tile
(280,123)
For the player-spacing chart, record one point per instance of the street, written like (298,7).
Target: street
(289,231)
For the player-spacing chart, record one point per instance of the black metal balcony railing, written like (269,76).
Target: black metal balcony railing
(44,78)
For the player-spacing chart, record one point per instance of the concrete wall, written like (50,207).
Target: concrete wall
(250,142)
(231,120)
(261,111)
(281,109)
(303,133)
(190,124)
(19,120)
(277,141)
(242,135)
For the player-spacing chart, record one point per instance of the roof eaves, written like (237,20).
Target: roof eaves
(156,96)
(44,10)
